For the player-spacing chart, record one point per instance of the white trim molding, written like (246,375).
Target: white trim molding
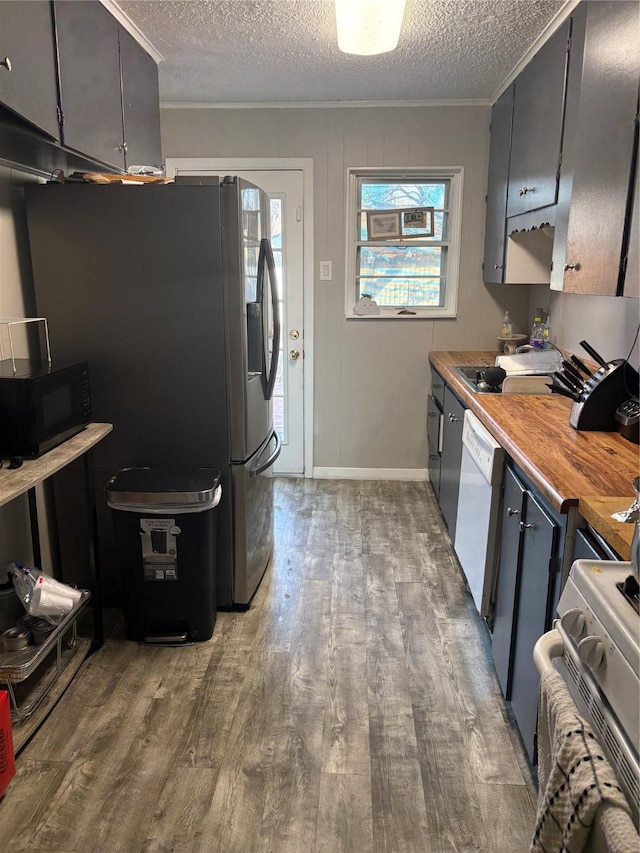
(133,29)
(304,165)
(406,474)
(316,105)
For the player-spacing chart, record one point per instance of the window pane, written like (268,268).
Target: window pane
(385,195)
(400,292)
(401,261)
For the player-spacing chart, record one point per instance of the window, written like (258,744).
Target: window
(403,243)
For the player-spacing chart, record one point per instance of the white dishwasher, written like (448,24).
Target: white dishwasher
(478,519)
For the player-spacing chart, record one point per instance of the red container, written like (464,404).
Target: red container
(7,758)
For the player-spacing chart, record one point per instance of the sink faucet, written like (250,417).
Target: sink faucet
(531,348)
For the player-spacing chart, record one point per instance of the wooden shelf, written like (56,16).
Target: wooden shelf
(17,481)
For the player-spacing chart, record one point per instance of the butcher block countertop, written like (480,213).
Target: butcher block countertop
(597,512)
(565,464)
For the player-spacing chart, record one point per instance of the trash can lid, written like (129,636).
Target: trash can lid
(174,486)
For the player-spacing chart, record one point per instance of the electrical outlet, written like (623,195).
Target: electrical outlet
(326,273)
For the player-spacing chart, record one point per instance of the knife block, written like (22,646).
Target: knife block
(601,395)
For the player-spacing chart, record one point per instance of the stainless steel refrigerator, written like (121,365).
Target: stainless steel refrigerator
(169,292)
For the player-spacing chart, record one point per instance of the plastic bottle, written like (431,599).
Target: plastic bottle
(507,328)
(537,338)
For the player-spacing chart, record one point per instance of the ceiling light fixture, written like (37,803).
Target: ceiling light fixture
(366,27)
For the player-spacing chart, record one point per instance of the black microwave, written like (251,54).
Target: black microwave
(41,405)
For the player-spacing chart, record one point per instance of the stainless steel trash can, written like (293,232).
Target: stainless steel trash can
(165,531)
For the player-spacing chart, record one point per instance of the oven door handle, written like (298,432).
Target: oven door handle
(547,647)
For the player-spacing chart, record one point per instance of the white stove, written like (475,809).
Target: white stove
(600,629)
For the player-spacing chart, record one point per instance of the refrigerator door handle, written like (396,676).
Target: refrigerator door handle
(266,255)
(262,467)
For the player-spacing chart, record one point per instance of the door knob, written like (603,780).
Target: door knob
(511,512)
(294,355)
(294,334)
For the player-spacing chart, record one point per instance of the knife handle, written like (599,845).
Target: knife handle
(594,355)
(568,382)
(572,372)
(582,367)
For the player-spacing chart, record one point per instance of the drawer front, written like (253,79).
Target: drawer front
(437,387)
(434,425)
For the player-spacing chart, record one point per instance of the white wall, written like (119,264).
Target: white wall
(371,378)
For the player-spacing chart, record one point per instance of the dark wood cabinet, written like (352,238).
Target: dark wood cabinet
(538,121)
(497,186)
(140,104)
(108,88)
(528,585)
(453,419)
(600,146)
(28,72)
(89,69)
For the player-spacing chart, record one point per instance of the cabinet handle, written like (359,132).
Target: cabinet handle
(123,147)
(6,63)
(524,526)
(526,190)
(498,266)
(453,419)
(511,512)
(568,267)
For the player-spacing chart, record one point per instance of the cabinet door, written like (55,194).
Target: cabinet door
(453,412)
(26,45)
(434,422)
(603,148)
(538,120)
(140,104)
(508,573)
(632,272)
(497,186)
(89,68)
(536,586)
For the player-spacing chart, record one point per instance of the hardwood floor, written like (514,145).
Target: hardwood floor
(354,707)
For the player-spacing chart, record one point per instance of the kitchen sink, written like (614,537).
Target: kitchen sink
(533,383)
(471,376)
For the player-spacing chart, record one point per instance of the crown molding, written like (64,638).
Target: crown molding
(132,29)
(290,105)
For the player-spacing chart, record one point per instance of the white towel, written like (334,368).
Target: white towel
(578,788)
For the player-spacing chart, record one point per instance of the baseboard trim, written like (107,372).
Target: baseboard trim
(412,474)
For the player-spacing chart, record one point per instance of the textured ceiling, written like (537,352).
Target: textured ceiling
(241,51)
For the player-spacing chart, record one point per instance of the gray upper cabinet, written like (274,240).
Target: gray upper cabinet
(89,68)
(632,276)
(140,104)
(538,120)
(499,155)
(600,145)
(27,75)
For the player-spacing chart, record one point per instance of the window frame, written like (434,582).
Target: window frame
(455,175)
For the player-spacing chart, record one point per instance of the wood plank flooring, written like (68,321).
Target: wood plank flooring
(354,707)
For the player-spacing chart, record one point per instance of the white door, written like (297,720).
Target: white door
(285,190)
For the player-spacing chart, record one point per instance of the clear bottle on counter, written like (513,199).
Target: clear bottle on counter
(507,328)
(537,338)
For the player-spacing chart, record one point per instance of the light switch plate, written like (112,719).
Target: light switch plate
(326,272)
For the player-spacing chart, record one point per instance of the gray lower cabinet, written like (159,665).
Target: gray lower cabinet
(495,233)
(538,122)
(28,73)
(453,419)
(434,426)
(531,541)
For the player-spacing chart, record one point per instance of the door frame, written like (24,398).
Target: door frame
(228,165)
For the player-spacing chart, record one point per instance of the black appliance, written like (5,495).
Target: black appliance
(41,405)
(169,290)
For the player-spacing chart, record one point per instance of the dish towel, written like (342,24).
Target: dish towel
(578,789)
